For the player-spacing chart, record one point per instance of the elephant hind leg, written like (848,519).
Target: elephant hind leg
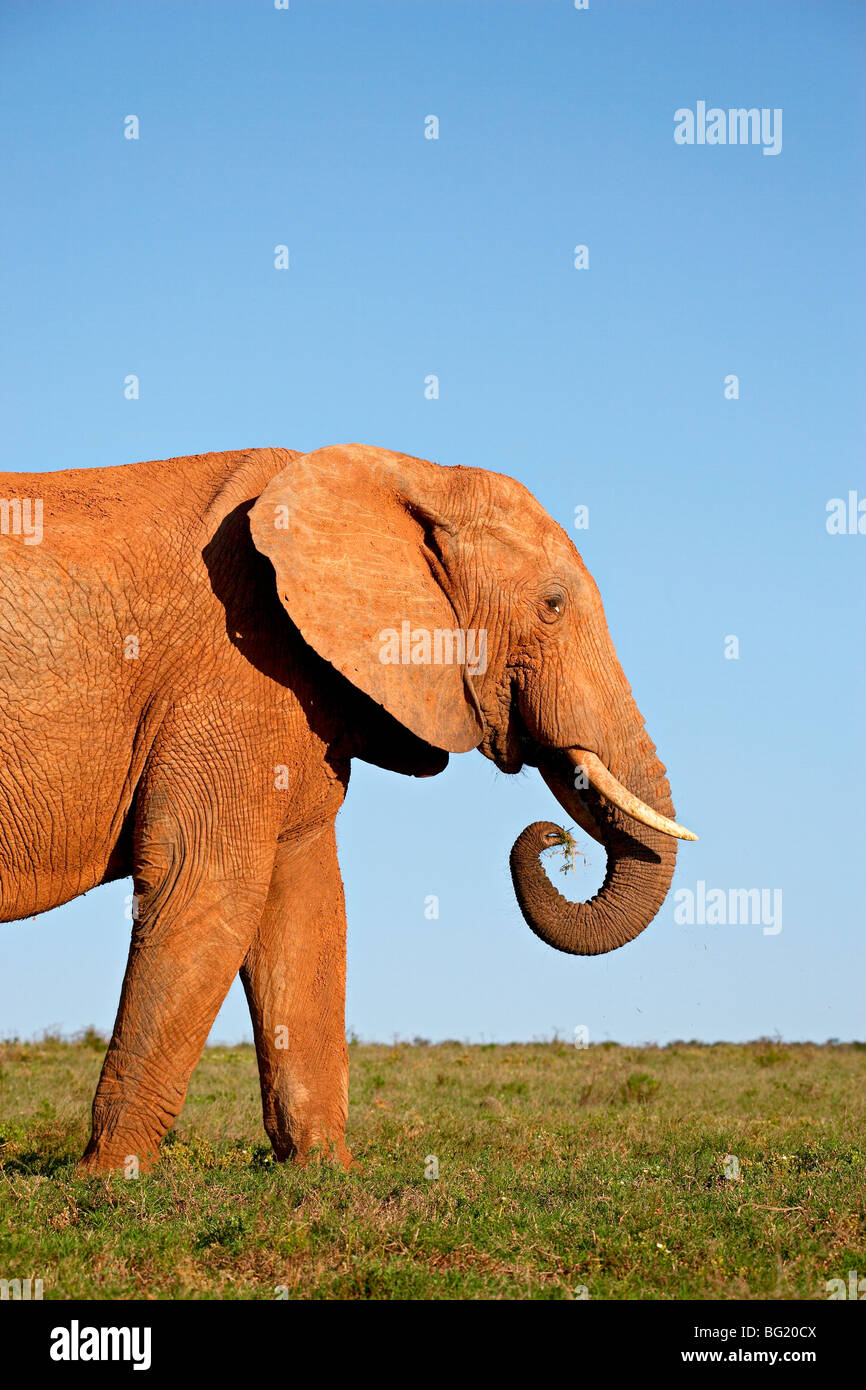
(295,981)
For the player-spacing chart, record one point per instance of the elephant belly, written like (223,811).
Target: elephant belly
(70,743)
(44,863)
(64,822)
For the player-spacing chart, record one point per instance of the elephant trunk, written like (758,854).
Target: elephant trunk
(640,859)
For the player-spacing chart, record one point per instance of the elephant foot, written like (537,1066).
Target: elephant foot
(100,1162)
(318,1151)
(334,1157)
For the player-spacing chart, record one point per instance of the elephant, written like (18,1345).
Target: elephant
(194,650)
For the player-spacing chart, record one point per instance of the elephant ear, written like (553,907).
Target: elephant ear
(351,533)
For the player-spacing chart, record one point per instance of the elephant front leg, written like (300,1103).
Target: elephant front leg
(295,980)
(197,917)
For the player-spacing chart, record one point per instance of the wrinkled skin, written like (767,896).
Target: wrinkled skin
(191,659)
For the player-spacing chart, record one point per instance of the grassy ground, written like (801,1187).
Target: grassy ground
(558,1168)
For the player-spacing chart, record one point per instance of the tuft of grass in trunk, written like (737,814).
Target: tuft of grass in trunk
(566,846)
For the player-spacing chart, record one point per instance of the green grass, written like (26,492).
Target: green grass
(558,1168)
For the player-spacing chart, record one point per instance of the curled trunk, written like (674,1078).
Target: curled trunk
(640,861)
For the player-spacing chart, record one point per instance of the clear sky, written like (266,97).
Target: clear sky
(601,387)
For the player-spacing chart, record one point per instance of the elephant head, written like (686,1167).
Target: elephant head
(450,597)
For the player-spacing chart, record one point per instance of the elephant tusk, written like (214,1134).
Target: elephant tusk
(613,791)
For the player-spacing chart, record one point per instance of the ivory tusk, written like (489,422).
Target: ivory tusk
(604,782)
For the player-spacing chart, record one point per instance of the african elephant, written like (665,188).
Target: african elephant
(192,653)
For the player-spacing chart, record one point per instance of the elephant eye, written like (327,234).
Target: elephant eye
(553,606)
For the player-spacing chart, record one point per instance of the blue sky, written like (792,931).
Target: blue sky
(601,387)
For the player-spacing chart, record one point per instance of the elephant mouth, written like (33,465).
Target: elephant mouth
(512,748)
